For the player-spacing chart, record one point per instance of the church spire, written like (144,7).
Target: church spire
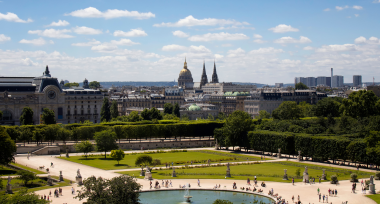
(204,80)
(185,64)
(214,75)
(47,72)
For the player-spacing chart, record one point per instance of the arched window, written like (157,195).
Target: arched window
(7,115)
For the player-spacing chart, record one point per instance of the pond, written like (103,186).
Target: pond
(200,197)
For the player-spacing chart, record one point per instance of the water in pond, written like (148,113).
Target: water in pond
(199,197)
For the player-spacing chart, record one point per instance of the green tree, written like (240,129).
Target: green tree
(176,110)
(121,189)
(14,132)
(51,133)
(22,197)
(26,135)
(26,176)
(105,141)
(84,146)
(94,85)
(307,110)
(361,104)
(134,117)
(170,117)
(221,116)
(168,108)
(117,155)
(75,134)
(288,110)
(48,116)
(118,129)
(263,114)
(63,134)
(38,135)
(145,114)
(219,201)
(105,114)
(155,114)
(113,110)
(236,129)
(327,106)
(210,117)
(71,84)
(26,117)
(301,86)
(143,160)
(7,147)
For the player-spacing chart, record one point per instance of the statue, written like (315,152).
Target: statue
(173,173)
(79,178)
(148,174)
(9,180)
(285,175)
(49,181)
(306,175)
(299,156)
(78,173)
(228,173)
(324,174)
(279,153)
(371,185)
(9,186)
(147,169)
(142,173)
(60,176)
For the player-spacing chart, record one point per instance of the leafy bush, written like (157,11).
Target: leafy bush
(298,172)
(354,177)
(334,179)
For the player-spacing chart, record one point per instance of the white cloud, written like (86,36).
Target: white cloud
(259,41)
(268,50)
(174,47)
(371,40)
(341,8)
(39,41)
(105,47)
(83,30)
(360,39)
(227,45)
(337,48)
(132,33)
(52,33)
(89,43)
(59,23)
(257,36)
(92,12)
(376,1)
(28,62)
(4,38)
(285,40)
(123,41)
(357,7)
(282,28)
(218,56)
(356,15)
(180,34)
(233,27)
(218,36)
(236,53)
(190,21)
(308,48)
(13,18)
(327,9)
(199,49)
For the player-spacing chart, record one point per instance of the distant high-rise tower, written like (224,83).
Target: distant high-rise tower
(214,75)
(357,80)
(204,80)
(332,78)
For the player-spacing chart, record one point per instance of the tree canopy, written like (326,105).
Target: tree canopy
(22,196)
(122,189)
(113,110)
(361,104)
(176,110)
(151,114)
(94,85)
(7,147)
(301,86)
(236,128)
(84,146)
(328,106)
(117,155)
(287,110)
(143,160)
(263,114)
(48,116)
(72,84)
(168,108)
(26,176)
(26,117)
(105,141)
(105,114)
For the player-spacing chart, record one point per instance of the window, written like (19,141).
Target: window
(7,115)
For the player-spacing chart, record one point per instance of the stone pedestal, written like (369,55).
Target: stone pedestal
(173,173)
(60,176)
(148,176)
(9,189)
(279,153)
(142,173)
(49,181)
(306,175)
(323,175)
(372,189)
(79,180)
(67,153)
(228,173)
(285,175)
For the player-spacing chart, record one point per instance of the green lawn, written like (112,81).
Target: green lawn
(178,158)
(5,171)
(375,197)
(29,169)
(271,171)
(35,185)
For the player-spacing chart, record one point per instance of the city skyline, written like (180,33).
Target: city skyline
(258,42)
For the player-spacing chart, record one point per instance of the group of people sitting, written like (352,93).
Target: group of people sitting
(216,186)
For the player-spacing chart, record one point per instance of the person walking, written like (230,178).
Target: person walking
(293,198)
(327,199)
(323,198)
(199,183)
(336,192)
(319,197)
(318,190)
(293,181)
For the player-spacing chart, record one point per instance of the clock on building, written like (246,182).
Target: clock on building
(51,94)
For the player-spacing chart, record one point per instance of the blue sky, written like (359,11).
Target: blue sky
(251,41)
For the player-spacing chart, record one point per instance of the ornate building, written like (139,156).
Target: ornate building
(204,80)
(45,92)
(214,75)
(185,79)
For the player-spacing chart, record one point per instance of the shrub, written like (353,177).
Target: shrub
(298,172)
(334,179)
(377,175)
(354,177)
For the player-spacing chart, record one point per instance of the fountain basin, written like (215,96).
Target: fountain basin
(200,196)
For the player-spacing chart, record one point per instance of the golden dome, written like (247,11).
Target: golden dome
(185,71)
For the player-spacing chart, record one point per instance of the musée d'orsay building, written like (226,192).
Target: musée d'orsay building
(70,105)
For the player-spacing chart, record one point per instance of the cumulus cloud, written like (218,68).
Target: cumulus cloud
(174,47)
(285,40)
(257,36)
(123,41)
(308,48)
(199,49)
(83,30)
(227,45)
(235,53)
(180,34)
(131,33)
(92,12)
(4,38)
(282,28)
(356,15)
(104,47)
(52,33)
(339,8)
(190,21)
(337,48)
(13,18)
(327,9)
(89,43)
(38,42)
(28,62)
(259,41)
(376,1)
(357,7)
(218,36)
(267,50)
(371,40)
(59,23)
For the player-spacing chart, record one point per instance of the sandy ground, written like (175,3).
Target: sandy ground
(308,193)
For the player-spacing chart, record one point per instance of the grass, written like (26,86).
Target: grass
(271,171)
(35,185)
(375,197)
(5,171)
(178,158)
(29,169)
